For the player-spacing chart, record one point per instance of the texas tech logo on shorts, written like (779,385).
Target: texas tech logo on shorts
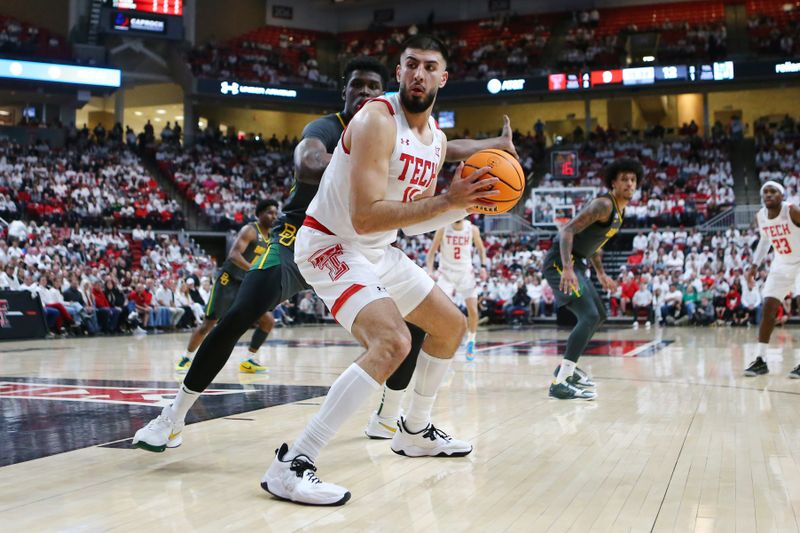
(328,259)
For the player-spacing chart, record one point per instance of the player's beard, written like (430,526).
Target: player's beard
(417,104)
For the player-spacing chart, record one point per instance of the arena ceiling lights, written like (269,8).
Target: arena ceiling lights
(60,73)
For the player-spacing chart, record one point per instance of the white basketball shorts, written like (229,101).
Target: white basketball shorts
(780,281)
(348,277)
(458,284)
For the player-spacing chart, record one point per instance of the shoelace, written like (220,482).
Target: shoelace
(160,419)
(300,466)
(434,433)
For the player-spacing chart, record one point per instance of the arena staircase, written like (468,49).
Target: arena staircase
(743,166)
(554,46)
(94,21)
(195,219)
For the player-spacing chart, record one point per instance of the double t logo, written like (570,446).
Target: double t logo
(328,259)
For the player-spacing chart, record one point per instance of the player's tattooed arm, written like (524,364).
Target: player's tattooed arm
(310,160)
(598,210)
(461,149)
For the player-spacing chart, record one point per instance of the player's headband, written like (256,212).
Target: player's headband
(774,184)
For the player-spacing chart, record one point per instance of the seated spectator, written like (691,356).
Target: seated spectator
(704,314)
(518,310)
(642,303)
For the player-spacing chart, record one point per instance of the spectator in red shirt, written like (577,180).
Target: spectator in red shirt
(140,301)
(629,288)
(106,313)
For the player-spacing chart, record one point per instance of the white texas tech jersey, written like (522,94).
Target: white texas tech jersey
(782,233)
(456,249)
(412,168)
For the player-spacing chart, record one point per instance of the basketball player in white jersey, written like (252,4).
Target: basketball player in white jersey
(456,275)
(381,177)
(779,226)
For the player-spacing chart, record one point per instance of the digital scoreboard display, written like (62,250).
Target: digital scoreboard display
(157,7)
(564,164)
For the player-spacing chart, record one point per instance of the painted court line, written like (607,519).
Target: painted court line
(642,348)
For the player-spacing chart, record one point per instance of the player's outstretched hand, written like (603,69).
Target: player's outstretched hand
(470,190)
(569,281)
(508,137)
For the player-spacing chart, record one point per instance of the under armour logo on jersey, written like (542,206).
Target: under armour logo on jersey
(405,141)
(329,259)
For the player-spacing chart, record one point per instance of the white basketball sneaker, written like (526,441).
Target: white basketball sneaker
(380,427)
(293,479)
(430,442)
(160,433)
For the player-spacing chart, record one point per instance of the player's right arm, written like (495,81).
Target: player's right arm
(476,239)
(310,160)
(437,241)
(597,210)
(246,235)
(371,138)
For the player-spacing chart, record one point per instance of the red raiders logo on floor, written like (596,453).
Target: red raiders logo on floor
(78,393)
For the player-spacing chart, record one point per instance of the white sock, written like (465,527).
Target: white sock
(566,370)
(390,403)
(345,396)
(471,336)
(190,353)
(430,373)
(184,400)
(761,351)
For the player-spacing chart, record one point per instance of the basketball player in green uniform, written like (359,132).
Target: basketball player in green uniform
(250,243)
(582,239)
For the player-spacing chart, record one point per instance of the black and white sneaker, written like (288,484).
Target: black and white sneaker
(757,368)
(295,480)
(565,391)
(579,378)
(430,442)
(795,374)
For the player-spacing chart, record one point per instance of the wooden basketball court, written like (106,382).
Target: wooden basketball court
(676,441)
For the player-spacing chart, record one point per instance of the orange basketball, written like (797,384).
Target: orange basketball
(507,170)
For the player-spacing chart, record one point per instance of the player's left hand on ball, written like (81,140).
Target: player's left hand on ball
(508,137)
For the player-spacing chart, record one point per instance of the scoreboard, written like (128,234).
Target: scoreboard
(160,19)
(564,164)
(156,7)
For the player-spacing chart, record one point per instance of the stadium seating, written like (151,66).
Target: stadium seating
(227,180)
(686,181)
(772,28)
(22,39)
(103,259)
(93,184)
